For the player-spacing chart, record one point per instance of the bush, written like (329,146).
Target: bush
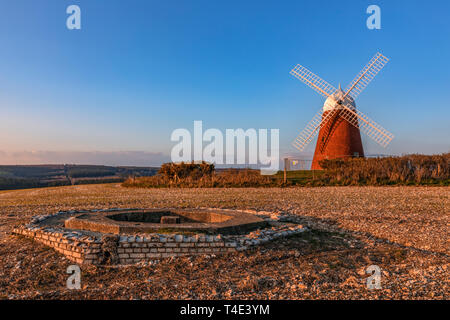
(202,176)
(410,169)
(180,171)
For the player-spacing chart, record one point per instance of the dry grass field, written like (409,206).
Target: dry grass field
(403,230)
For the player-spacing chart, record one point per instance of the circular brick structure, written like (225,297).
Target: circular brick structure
(126,236)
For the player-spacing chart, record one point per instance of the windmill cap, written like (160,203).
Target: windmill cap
(332,100)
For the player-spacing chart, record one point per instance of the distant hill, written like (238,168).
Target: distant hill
(33,176)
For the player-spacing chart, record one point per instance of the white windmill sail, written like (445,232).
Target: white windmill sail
(366,75)
(313,80)
(311,129)
(368,126)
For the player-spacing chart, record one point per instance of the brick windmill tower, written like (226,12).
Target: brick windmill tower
(338,122)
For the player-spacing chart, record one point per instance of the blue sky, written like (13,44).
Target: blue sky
(139,69)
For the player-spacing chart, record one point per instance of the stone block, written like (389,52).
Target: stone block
(171,245)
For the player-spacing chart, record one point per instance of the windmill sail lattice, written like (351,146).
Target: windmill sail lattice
(310,131)
(366,75)
(313,81)
(368,126)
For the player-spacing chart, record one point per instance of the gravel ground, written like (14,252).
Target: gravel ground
(403,230)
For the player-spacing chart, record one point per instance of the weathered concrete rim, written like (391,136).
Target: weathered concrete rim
(216,221)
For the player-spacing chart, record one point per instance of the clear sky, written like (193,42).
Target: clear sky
(114,91)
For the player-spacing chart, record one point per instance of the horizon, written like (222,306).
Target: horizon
(219,166)
(157,67)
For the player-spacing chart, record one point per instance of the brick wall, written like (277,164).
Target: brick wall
(129,249)
(79,250)
(337,139)
(132,252)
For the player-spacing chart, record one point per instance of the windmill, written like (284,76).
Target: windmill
(338,123)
